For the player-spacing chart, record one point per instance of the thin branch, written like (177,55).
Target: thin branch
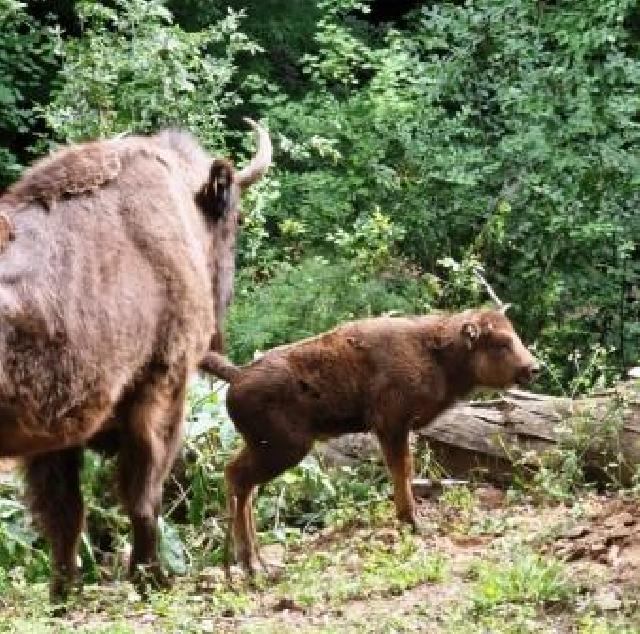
(499,303)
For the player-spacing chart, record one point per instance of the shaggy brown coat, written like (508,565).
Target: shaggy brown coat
(115,271)
(386,375)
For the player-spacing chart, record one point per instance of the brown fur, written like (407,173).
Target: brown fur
(385,375)
(109,291)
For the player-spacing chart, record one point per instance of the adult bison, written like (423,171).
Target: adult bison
(116,267)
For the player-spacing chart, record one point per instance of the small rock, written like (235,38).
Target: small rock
(614,555)
(570,552)
(386,535)
(597,548)
(285,603)
(148,618)
(273,554)
(608,601)
(619,533)
(580,530)
(352,562)
(207,626)
(211,575)
(620,519)
(209,578)
(490,497)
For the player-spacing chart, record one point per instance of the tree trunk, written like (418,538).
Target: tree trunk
(494,438)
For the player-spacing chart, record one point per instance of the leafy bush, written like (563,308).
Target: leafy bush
(314,296)
(21,556)
(134,70)
(26,65)
(490,130)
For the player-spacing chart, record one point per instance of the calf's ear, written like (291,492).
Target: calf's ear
(470,332)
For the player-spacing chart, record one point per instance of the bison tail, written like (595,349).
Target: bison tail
(214,363)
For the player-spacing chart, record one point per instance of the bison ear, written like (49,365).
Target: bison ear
(214,197)
(470,332)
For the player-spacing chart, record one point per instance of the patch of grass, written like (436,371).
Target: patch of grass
(361,567)
(458,497)
(527,579)
(458,504)
(618,624)
(511,619)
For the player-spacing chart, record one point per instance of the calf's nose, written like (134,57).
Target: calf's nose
(529,372)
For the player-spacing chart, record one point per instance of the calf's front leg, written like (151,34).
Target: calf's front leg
(397,455)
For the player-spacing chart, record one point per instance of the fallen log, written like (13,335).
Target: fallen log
(493,439)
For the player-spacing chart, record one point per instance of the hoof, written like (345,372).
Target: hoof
(412,520)
(60,590)
(149,577)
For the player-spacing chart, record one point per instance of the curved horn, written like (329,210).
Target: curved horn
(261,160)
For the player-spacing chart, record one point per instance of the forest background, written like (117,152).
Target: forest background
(414,141)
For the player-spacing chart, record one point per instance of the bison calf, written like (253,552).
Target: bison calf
(385,375)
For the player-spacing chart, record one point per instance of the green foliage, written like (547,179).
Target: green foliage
(496,131)
(26,64)
(316,295)
(586,440)
(529,578)
(21,558)
(134,70)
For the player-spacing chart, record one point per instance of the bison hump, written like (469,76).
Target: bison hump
(76,170)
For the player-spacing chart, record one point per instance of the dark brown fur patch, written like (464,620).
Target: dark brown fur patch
(214,197)
(75,170)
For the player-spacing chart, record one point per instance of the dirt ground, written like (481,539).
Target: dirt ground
(483,563)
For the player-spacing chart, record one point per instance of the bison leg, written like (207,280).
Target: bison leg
(151,427)
(397,455)
(255,465)
(55,498)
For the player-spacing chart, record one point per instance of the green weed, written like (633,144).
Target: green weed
(527,579)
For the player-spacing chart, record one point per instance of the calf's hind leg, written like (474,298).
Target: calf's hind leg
(254,465)
(55,499)
(151,427)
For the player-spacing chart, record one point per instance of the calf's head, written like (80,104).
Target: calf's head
(498,357)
